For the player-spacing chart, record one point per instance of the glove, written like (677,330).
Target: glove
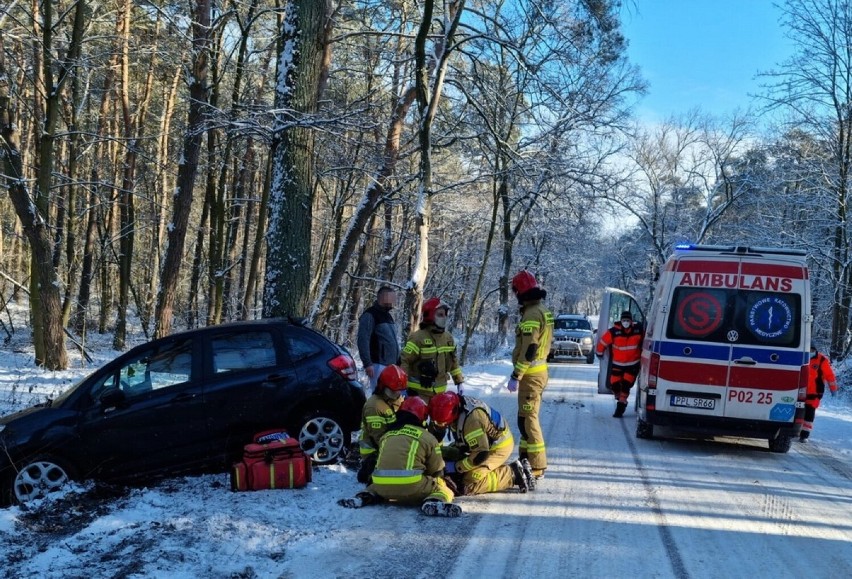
(513,384)
(460,387)
(450,468)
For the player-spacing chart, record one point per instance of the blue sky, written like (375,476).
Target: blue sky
(702,53)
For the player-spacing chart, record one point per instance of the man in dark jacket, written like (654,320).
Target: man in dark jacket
(378,344)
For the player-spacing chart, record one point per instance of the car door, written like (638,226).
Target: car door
(613,303)
(246,368)
(145,415)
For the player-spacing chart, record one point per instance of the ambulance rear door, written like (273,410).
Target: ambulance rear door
(615,301)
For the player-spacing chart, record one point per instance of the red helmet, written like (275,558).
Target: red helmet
(523,282)
(416,406)
(429,308)
(444,407)
(393,377)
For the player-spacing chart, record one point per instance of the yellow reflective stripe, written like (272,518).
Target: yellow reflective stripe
(471,438)
(417,387)
(429,350)
(529,326)
(466,464)
(446,349)
(536,369)
(504,440)
(366,450)
(492,482)
(412,454)
(272,474)
(396,480)
(411,348)
(539,447)
(456,372)
(521,367)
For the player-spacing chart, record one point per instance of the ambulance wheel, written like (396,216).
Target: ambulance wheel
(37,478)
(780,443)
(644,430)
(322,437)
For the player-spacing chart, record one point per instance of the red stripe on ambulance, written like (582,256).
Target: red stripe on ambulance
(764,378)
(694,373)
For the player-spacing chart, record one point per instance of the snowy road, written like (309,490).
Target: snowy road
(612,505)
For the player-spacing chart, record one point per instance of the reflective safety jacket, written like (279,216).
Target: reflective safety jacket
(820,375)
(479,430)
(378,413)
(533,336)
(626,345)
(405,455)
(430,348)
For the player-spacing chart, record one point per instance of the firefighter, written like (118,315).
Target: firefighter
(533,336)
(429,355)
(820,374)
(378,413)
(409,469)
(483,443)
(624,339)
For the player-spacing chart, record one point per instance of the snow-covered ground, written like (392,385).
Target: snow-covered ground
(611,505)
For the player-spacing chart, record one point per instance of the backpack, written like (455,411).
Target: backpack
(274,460)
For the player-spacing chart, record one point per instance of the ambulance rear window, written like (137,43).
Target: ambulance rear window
(735,316)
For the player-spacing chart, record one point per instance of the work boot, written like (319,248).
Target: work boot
(438,509)
(529,477)
(620,407)
(361,499)
(519,477)
(803,436)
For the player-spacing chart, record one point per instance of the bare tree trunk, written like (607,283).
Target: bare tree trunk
(288,261)
(187,170)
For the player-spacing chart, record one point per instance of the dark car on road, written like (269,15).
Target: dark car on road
(183,404)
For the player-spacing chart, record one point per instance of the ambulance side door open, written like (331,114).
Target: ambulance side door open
(614,302)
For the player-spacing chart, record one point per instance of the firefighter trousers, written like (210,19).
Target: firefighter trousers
(493,474)
(530,391)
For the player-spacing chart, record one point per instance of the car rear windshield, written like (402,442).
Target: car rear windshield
(735,316)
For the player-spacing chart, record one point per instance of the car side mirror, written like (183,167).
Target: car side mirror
(112,398)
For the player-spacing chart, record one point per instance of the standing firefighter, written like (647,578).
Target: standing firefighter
(410,467)
(429,355)
(529,378)
(624,340)
(483,443)
(820,374)
(378,413)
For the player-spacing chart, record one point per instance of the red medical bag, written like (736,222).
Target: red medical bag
(273,461)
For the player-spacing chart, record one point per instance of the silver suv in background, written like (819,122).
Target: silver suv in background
(572,338)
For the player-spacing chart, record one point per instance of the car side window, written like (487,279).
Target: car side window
(300,348)
(243,351)
(167,366)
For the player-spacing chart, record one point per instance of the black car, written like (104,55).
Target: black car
(186,403)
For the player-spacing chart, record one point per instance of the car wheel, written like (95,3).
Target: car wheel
(322,437)
(780,443)
(590,359)
(38,477)
(643,429)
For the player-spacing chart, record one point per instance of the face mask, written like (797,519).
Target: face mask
(441,320)
(392,394)
(626,323)
(813,353)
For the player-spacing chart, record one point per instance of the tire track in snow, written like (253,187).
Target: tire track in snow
(672,551)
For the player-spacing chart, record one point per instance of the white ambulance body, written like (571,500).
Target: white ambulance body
(726,344)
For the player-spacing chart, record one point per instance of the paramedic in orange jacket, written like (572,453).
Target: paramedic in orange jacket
(624,340)
(820,374)
(533,336)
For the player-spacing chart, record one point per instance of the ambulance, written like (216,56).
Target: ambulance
(726,345)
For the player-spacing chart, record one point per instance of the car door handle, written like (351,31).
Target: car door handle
(183,397)
(273,380)
(746,360)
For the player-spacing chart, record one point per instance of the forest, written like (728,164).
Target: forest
(174,164)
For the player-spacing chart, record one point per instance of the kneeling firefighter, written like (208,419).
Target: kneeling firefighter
(409,469)
(378,413)
(483,443)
